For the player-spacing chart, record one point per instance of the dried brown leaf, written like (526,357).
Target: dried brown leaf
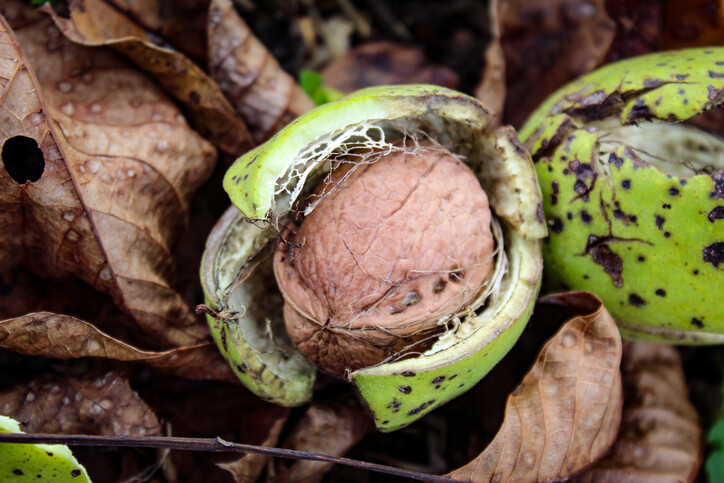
(566,412)
(694,23)
(660,439)
(329,428)
(64,337)
(249,467)
(382,63)
(93,403)
(548,43)
(120,164)
(183,24)
(491,89)
(94,23)
(266,96)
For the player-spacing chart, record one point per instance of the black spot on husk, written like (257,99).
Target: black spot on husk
(636,300)
(714,254)
(716,214)
(602,255)
(421,407)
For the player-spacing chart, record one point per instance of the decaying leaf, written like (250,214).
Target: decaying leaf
(491,89)
(183,24)
(114,167)
(694,23)
(94,23)
(329,428)
(249,467)
(660,439)
(384,63)
(266,96)
(64,337)
(548,43)
(565,413)
(93,403)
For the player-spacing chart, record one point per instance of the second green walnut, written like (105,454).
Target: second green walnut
(387,238)
(634,192)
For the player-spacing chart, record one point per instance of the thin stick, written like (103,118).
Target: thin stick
(210,445)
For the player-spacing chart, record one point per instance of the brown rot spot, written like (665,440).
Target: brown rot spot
(421,407)
(405,389)
(438,380)
(627,219)
(394,405)
(659,222)
(556,225)
(697,322)
(718,191)
(640,110)
(660,292)
(408,374)
(602,255)
(224,343)
(411,299)
(615,160)
(714,254)
(716,214)
(636,300)
(673,191)
(456,276)
(439,285)
(626,184)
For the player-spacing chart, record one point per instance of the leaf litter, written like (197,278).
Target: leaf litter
(75,122)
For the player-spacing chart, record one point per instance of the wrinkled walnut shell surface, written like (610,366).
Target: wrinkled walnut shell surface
(397,245)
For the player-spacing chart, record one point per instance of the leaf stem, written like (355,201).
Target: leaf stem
(210,445)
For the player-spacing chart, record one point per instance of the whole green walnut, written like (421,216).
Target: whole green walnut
(439,301)
(634,196)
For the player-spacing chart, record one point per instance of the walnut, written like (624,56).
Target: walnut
(390,250)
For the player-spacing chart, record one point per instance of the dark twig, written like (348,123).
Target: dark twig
(210,445)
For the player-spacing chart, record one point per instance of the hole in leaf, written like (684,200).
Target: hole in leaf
(23,159)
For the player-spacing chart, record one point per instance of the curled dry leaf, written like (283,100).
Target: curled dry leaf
(566,412)
(384,63)
(548,43)
(94,23)
(64,337)
(183,24)
(266,96)
(93,403)
(694,23)
(660,439)
(491,89)
(249,467)
(115,165)
(328,428)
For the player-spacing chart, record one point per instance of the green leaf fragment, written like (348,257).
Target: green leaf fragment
(37,462)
